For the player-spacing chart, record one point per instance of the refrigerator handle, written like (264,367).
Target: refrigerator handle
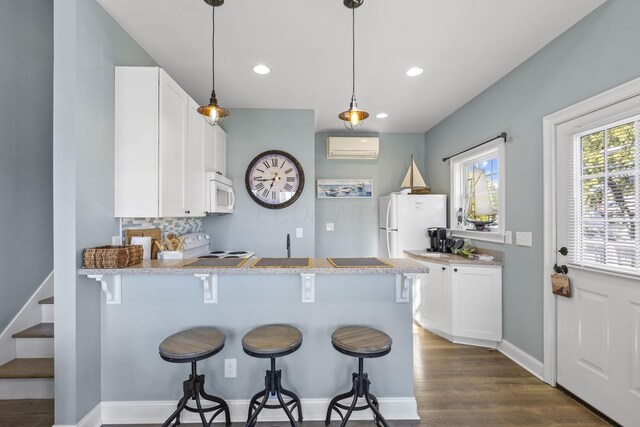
(388,243)
(388,215)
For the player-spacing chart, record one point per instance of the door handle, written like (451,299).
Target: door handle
(561,269)
(563,251)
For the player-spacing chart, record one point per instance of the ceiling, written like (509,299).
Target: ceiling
(464,46)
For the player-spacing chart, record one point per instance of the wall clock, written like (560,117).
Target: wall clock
(274,179)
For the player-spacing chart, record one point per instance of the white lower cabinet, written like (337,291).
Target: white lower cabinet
(461,303)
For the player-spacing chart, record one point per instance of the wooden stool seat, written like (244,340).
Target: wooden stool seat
(192,344)
(361,341)
(272,341)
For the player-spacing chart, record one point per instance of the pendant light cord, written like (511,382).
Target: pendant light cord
(353,56)
(213,49)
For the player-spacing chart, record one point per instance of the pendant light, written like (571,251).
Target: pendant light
(353,117)
(213,113)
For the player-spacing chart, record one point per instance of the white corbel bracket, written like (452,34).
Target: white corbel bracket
(114,297)
(404,283)
(308,288)
(209,287)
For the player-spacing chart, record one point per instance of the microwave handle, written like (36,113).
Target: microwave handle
(232,198)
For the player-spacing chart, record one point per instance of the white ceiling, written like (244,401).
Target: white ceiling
(464,47)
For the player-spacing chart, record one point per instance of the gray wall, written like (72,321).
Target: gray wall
(252,227)
(26,191)
(154,307)
(598,53)
(87,45)
(356,220)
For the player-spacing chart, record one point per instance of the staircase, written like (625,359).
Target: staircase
(30,374)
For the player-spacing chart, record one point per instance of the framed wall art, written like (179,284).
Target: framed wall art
(345,188)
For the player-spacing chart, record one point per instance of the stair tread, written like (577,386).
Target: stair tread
(43,330)
(46,301)
(27,368)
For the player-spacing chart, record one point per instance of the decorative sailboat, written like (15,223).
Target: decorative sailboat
(479,210)
(414,181)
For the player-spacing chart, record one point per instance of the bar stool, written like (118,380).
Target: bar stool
(189,346)
(360,342)
(272,341)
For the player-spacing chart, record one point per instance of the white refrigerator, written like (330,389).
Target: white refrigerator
(404,219)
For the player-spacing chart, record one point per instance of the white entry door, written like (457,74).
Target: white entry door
(598,222)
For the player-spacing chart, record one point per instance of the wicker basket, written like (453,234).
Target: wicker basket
(112,256)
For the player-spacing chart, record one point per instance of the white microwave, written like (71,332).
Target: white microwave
(220,196)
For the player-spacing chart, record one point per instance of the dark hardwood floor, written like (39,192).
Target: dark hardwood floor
(455,385)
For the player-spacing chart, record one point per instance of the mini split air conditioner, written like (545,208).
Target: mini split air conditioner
(353,148)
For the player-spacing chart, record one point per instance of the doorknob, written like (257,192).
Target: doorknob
(563,251)
(561,269)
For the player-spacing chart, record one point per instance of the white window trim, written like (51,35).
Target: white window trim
(456,189)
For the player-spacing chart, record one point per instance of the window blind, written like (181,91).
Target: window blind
(604,226)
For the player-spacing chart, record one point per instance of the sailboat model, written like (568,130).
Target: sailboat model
(414,180)
(479,210)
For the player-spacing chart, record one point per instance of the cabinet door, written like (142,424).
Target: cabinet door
(197,132)
(477,302)
(220,151)
(174,104)
(435,294)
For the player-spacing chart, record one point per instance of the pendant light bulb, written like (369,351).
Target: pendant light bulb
(353,117)
(213,115)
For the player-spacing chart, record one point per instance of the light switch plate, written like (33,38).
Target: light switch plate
(523,238)
(299,232)
(329,226)
(508,237)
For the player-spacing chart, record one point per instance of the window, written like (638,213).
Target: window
(604,226)
(477,193)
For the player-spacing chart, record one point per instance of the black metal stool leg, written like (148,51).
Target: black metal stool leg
(252,419)
(333,405)
(176,414)
(296,401)
(199,406)
(374,407)
(349,411)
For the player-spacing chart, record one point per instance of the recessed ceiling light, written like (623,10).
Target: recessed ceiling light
(382,115)
(261,69)
(415,71)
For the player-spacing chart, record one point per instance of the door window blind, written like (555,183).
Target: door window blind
(604,226)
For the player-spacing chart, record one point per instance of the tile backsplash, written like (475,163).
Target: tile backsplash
(167,225)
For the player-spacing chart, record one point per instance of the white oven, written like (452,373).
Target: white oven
(220,197)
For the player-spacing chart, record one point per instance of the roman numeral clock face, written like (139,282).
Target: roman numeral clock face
(274,179)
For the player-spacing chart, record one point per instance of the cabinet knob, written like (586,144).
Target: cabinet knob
(444,268)
(455,269)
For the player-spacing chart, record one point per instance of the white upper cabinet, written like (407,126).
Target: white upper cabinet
(174,108)
(160,142)
(216,151)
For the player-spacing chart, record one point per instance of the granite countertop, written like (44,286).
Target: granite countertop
(318,266)
(450,259)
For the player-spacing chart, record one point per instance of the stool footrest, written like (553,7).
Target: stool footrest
(273,387)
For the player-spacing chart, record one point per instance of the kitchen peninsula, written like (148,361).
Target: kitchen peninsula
(158,298)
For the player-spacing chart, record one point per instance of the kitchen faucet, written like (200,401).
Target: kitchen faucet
(288,246)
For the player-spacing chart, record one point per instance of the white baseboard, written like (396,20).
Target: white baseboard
(522,358)
(29,315)
(31,388)
(156,412)
(475,342)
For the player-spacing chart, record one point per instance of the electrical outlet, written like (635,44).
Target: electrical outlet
(299,232)
(116,240)
(508,237)
(229,368)
(523,238)
(329,226)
